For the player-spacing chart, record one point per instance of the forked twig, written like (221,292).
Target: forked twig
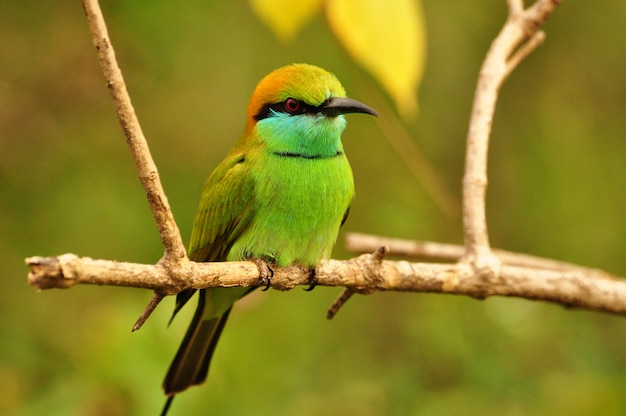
(519,36)
(480,272)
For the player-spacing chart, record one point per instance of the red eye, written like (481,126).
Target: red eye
(292,105)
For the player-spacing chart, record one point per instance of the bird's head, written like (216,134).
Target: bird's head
(300,105)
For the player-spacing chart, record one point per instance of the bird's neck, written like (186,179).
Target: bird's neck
(305,136)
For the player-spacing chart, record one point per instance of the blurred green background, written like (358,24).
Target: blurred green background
(67,184)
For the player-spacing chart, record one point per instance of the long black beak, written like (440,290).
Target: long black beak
(343,105)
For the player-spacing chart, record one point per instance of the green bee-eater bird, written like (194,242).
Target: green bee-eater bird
(280,196)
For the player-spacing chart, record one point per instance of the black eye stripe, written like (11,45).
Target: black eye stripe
(266,110)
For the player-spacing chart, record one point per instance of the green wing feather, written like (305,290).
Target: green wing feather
(226,209)
(225,206)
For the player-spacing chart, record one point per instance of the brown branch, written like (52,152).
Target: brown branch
(430,251)
(478,272)
(594,290)
(157,297)
(146,168)
(344,297)
(175,255)
(519,36)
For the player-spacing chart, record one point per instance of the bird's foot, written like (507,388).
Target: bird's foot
(265,273)
(312,281)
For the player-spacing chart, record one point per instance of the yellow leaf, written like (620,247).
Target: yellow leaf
(285,17)
(387,38)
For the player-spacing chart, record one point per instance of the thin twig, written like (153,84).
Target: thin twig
(146,168)
(345,295)
(430,251)
(525,50)
(175,255)
(154,302)
(501,58)
(515,6)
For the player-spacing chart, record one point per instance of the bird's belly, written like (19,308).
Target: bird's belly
(299,206)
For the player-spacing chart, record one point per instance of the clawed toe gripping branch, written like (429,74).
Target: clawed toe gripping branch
(474,269)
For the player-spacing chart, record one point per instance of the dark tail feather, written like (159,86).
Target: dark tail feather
(181,300)
(191,363)
(168,403)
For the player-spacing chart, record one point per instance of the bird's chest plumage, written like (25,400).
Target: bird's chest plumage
(299,204)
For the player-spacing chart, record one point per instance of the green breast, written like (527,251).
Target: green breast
(298,208)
